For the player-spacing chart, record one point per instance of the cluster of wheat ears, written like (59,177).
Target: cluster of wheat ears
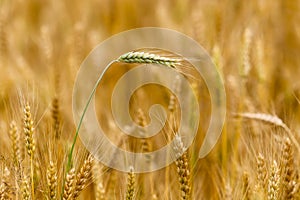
(254,46)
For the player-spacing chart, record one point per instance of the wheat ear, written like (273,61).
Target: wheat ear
(288,170)
(30,143)
(183,170)
(52,180)
(25,189)
(15,139)
(69,185)
(247,40)
(143,57)
(56,116)
(262,176)
(274,182)
(228,192)
(5,185)
(130,191)
(83,176)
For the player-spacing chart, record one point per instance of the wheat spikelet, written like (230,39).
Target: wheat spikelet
(274,182)
(69,185)
(296,189)
(5,186)
(52,180)
(15,139)
(183,170)
(83,176)
(288,170)
(143,57)
(130,189)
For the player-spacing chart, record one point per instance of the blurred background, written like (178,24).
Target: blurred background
(254,44)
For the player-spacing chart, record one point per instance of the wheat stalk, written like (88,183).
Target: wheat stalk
(143,57)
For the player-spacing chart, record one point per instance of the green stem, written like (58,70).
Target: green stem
(69,164)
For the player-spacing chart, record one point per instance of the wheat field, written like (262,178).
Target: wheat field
(254,45)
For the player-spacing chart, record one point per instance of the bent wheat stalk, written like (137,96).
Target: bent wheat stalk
(270,119)
(130,57)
